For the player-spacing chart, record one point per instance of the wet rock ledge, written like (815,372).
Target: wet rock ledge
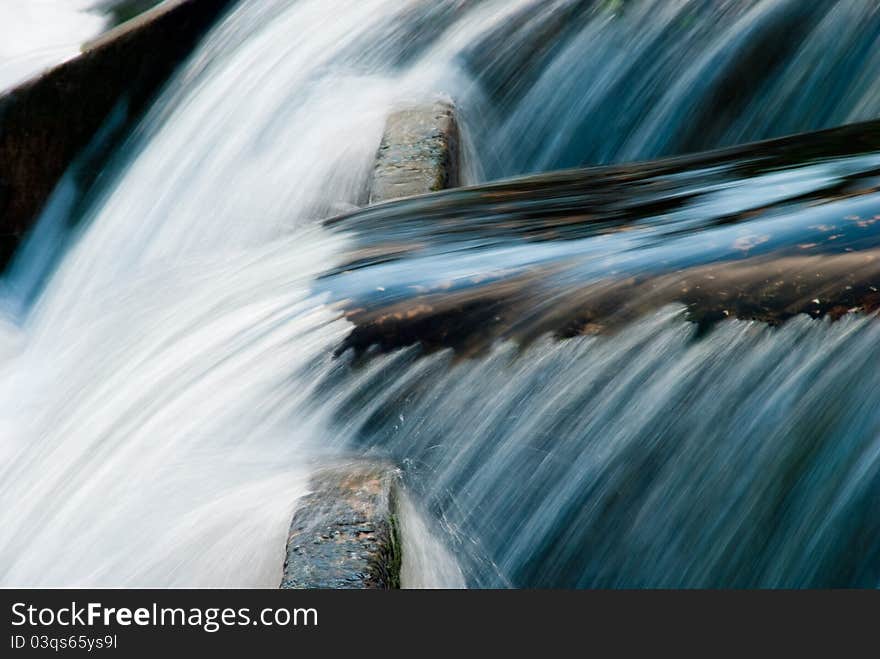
(47,121)
(344,534)
(419,153)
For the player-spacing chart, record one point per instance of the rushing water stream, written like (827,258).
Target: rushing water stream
(166,390)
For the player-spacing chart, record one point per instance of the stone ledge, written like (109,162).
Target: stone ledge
(344,534)
(419,153)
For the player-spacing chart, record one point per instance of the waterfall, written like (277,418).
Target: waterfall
(166,390)
(642,460)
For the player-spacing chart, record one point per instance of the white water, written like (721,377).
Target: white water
(152,422)
(426,560)
(37,34)
(154,433)
(156,402)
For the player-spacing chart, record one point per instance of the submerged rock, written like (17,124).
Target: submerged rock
(344,534)
(723,234)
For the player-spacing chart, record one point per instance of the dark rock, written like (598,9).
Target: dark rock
(344,533)
(47,121)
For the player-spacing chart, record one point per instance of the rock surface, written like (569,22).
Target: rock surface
(46,122)
(344,534)
(419,153)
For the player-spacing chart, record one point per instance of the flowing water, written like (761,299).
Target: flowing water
(38,34)
(168,385)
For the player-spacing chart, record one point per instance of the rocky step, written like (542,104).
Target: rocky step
(344,534)
(419,152)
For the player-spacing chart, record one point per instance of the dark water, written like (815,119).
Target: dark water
(634,80)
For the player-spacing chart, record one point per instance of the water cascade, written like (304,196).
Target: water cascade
(565,419)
